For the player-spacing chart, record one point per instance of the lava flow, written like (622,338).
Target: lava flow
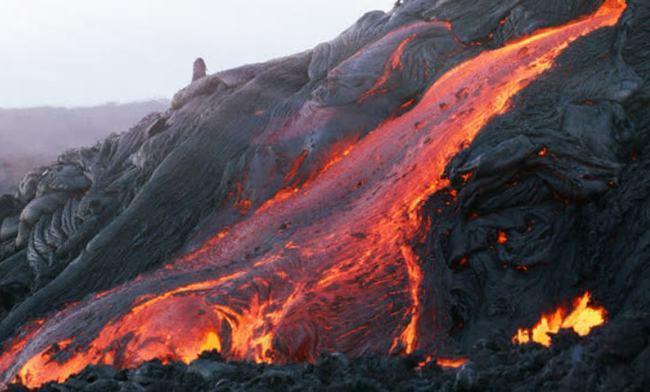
(582,319)
(327,267)
(445,363)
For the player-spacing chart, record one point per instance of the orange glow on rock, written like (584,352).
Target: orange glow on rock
(582,319)
(445,363)
(502,237)
(295,166)
(244,206)
(394,63)
(451,363)
(409,336)
(521,268)
(467,176)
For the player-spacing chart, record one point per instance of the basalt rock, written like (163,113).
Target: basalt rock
(547,201)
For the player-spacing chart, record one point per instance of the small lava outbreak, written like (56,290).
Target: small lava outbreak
(582,319)
(331,262)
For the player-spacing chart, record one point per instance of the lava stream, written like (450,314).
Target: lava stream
(328,267)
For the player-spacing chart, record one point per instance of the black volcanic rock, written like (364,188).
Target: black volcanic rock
(563,175)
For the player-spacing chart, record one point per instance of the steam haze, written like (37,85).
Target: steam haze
(88,52)
(33,137)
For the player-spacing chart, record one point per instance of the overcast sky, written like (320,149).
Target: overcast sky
(87,52)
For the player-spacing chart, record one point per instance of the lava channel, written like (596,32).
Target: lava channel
(328,267)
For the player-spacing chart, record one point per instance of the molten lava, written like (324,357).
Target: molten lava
(445,363)
(582,320)
(394,64)
(327,266)
(451,363)
(502,237)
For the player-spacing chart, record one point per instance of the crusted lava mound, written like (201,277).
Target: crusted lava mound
(450,185)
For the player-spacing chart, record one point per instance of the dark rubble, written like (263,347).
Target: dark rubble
(577,215)
(615,358)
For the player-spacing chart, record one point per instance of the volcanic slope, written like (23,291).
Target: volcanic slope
(416,186)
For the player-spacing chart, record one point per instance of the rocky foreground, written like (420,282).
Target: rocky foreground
(616,358)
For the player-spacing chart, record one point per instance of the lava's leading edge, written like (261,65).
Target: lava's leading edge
(582,319)
(326,267)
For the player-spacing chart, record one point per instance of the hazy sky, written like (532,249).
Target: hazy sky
(85,52)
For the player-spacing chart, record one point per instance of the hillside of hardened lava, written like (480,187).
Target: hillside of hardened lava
(452,195)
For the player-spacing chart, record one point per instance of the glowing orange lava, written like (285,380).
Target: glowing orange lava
(394,63)
(502,237)
(452,363)
(582,320)
(445,363)
(325,266)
